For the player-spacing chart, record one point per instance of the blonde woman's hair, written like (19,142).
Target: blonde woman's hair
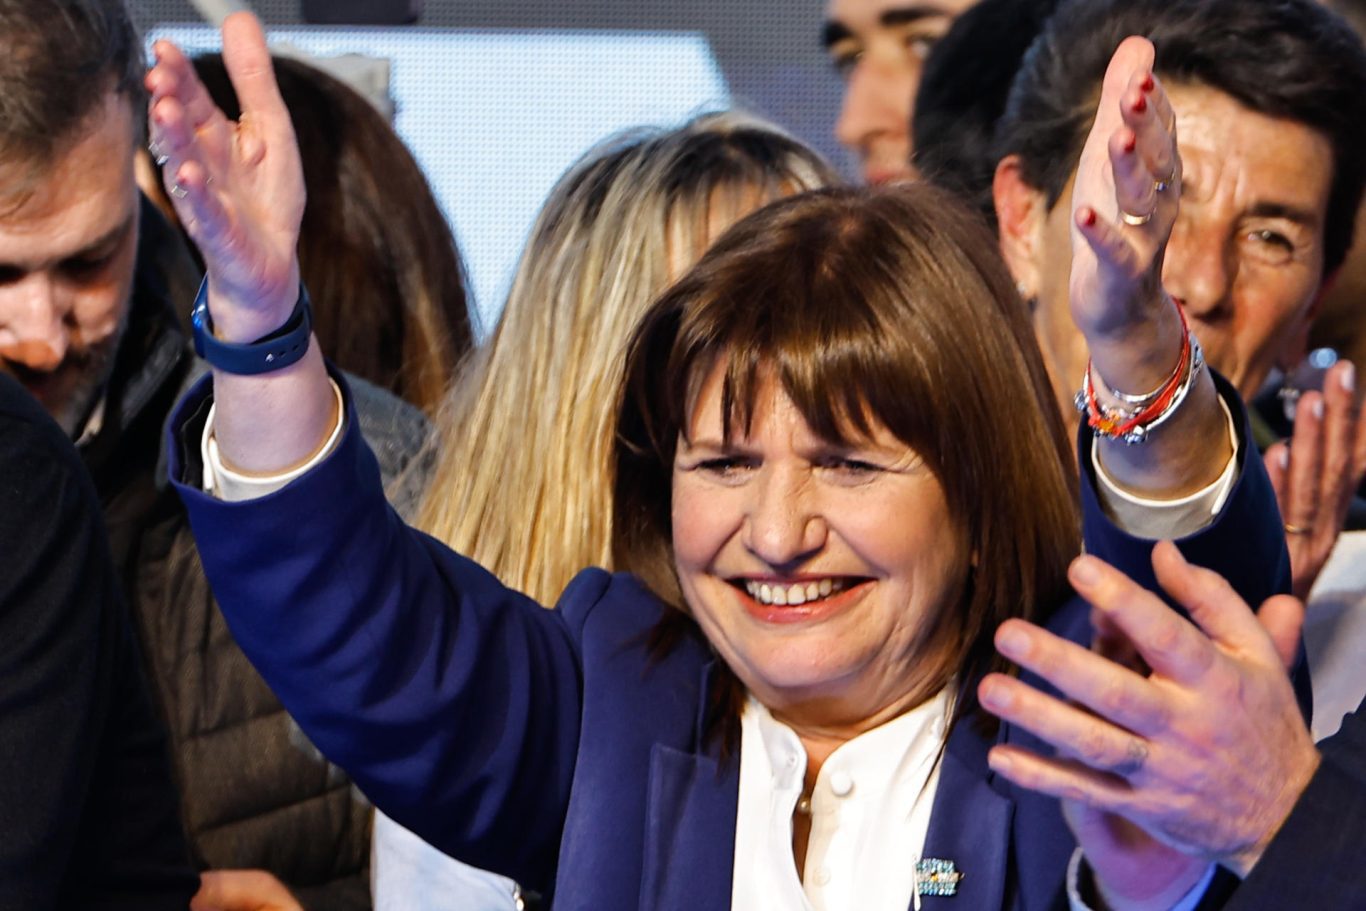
(524,444)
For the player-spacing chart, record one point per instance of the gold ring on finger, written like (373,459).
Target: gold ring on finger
(1137,221)
(1297,529)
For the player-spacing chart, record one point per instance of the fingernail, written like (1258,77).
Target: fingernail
(1012,642)
(1140,105)
(1318,408)
(1088,218)
(994,697)
(1084,571)
(1147,84)
(1285,457)
(1348,377)
(1000,762)
(1131,143)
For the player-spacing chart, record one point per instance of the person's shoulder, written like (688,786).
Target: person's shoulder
(395,429)
(28,435)
(619,601)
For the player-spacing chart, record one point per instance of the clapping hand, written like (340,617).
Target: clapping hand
(1317,472)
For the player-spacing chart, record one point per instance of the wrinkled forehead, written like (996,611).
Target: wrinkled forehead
(1267,162)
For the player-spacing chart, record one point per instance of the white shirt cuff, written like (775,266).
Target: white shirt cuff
(232,487)
(1158,520)
(1189,902)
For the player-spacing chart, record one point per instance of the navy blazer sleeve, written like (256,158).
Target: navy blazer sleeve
(432,684)
(1246,541)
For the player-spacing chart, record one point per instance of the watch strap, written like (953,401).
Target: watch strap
(274,351)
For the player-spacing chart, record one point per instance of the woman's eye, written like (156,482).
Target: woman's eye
(724,466)
(851,467)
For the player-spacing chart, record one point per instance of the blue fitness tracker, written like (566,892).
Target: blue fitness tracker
(275,351)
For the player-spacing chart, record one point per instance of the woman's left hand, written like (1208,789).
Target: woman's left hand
(1124,202)
(1125,198)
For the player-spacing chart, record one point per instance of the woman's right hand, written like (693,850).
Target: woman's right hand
(1125,198)
(237,187)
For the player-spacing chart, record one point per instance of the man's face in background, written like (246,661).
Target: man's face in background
(879,48)
(68,247)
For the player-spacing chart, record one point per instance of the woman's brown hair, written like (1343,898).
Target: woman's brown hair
(889,306)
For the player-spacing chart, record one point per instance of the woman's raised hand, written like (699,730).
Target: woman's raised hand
(1124,203)
(237,187)
(1125,199)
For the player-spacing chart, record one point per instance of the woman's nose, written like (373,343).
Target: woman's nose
(784,525)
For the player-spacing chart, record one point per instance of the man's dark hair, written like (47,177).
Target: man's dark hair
(1354,11)
(1290,59)
(963,92)
(58,60)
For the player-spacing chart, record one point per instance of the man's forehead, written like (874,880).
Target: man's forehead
(864,15)
(80,198)
(1267,161)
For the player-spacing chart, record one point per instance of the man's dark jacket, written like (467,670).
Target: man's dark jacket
(88,818)
(255,794)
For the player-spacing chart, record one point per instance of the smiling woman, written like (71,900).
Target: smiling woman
(826,437)
(837,471)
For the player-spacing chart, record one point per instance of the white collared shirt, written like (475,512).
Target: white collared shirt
(870,811)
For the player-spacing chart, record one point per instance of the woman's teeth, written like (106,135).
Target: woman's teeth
(797,593)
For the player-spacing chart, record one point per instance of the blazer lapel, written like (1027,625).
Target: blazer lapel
(970,826)
(690,825)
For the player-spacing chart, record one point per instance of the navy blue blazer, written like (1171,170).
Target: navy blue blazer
(546,744)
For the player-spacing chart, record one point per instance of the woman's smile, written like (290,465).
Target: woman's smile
(811,598)
(813,566)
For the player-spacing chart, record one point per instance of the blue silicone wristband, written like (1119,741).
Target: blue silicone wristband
(275,351)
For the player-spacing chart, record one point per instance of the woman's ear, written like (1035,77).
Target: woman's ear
(1021,211)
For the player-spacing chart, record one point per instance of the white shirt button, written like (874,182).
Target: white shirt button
(841,784)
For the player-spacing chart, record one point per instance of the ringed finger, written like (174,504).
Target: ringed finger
(1112,691)
(1135,188)
(1142,111)
(1303,510)
(1108,241)
(1073,732)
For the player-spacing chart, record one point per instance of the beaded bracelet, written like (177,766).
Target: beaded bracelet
(1133,424)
